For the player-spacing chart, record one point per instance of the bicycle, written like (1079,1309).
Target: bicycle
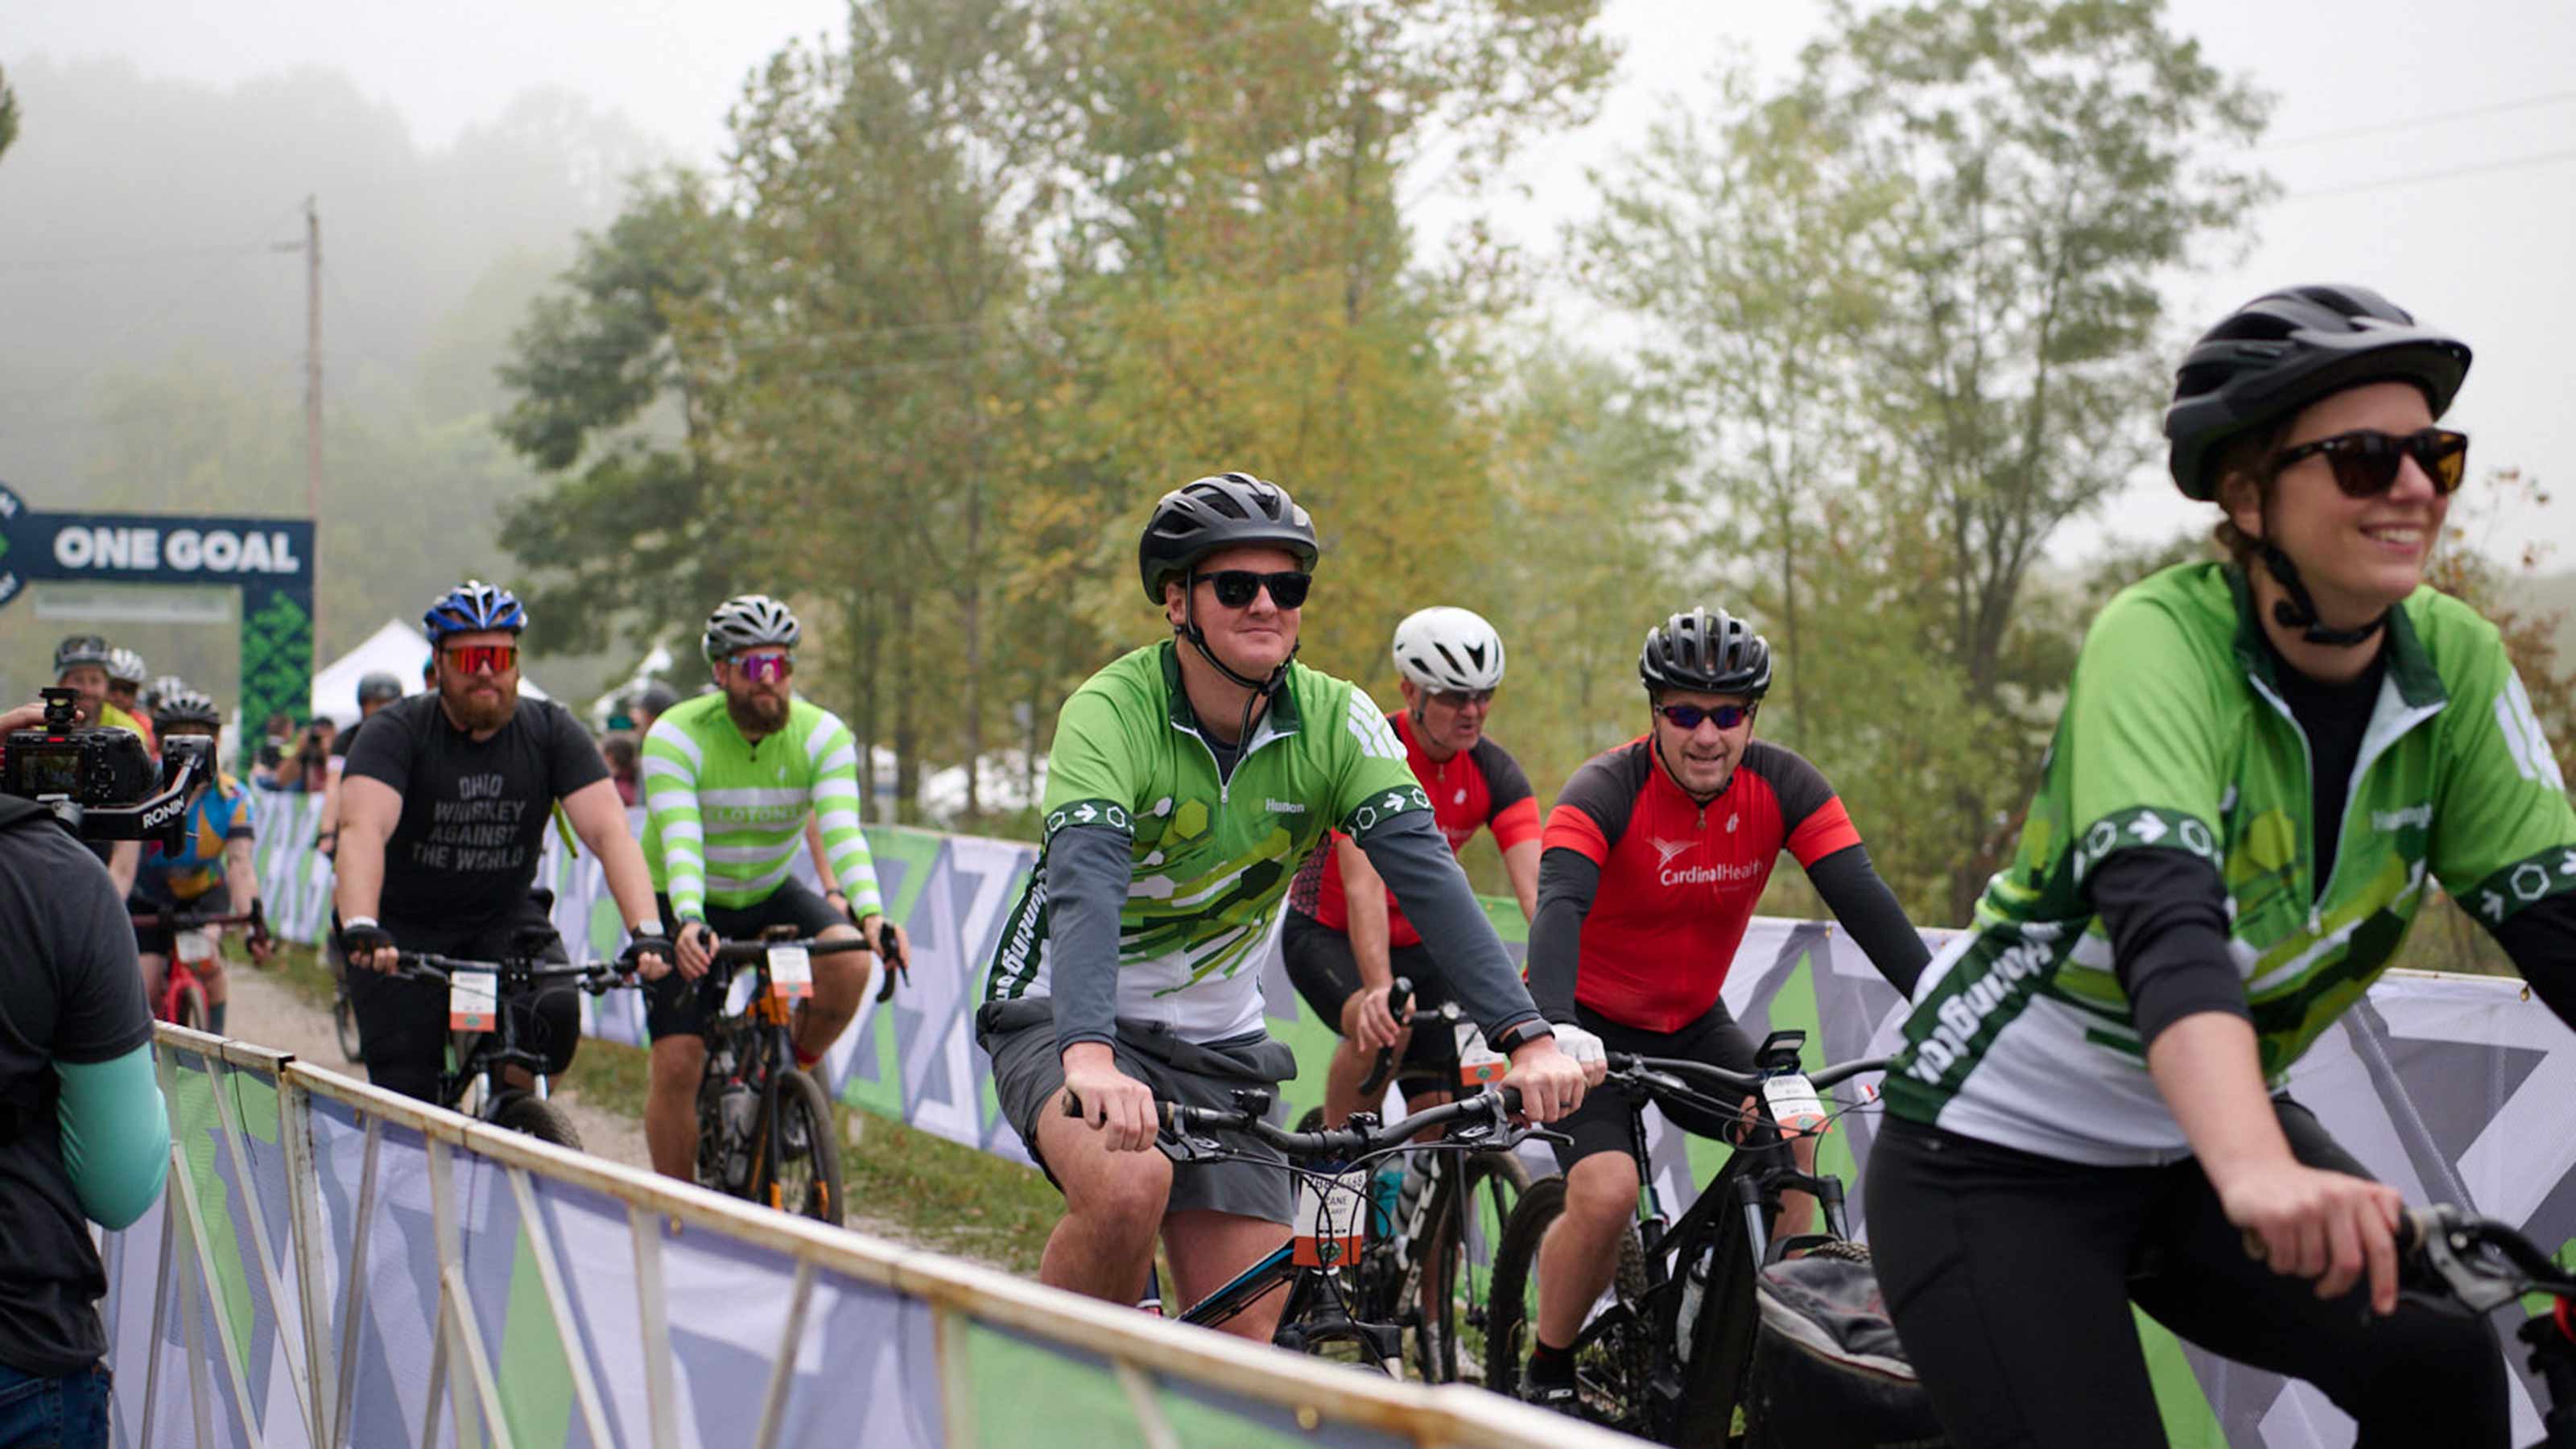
(1324,1251)
(195,939)
(1426,1264)
(484,1033)
(752,1085)
(344,1012)
(1665,1358)
(2453,1259)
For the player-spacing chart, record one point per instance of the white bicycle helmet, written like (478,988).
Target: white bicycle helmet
(124,666)
(1449,649)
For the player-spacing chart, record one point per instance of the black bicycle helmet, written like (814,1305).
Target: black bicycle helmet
(1230,510)
(186,706)
(378,685)
(2284,350)
(1706,651)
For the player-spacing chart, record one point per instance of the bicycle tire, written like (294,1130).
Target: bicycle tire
(190,1010)
(344,1021)
(1617,1370)
(543,1120)
(1457,1301)
(815,1192)
(1713,1377)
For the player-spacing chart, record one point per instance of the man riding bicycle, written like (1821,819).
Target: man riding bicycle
(2262,767)
(730,780)
(1345,936)
(444,808)
(215,849)
(1186,781)
(1655,856)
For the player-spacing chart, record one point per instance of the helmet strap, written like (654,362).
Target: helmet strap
(2299,611)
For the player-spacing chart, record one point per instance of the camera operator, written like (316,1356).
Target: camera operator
(444,806)
(83,1134)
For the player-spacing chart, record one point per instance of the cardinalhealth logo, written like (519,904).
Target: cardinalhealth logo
(1666,851)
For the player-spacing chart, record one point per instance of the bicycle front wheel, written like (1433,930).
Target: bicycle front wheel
(1615,1371)
(542,1120)
(1474,1198)
(808,1182)
(192,1012)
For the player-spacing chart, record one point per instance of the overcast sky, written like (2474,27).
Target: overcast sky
(2470,221)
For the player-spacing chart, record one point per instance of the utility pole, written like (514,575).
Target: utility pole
(313,383)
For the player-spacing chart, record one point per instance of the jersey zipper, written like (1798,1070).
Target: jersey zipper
(1262,735)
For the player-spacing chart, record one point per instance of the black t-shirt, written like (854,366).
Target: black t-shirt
(474,813)
(340,743)
(69,991)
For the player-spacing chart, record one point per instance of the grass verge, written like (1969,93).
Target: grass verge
(929,1190)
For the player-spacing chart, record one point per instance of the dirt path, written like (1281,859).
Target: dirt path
(265,1010)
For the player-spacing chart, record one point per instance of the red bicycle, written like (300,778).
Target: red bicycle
(196,940)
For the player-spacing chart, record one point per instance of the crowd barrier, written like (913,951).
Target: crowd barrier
(2454,1089)
(336,1265)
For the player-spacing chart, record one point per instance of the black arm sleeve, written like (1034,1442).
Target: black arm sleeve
(1088,868)
(2166,911)
(1868,909)
(1567,880)
(2541,939)
(1415,862)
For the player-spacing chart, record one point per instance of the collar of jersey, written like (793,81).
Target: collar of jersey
(2418,683)
(1279,719)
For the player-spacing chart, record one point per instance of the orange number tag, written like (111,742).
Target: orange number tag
(473,1001)
(196,945)
(1794,1105)
(1330,1213)
(791,972)
(1478,1064)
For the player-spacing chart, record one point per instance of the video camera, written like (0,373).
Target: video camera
(100,781)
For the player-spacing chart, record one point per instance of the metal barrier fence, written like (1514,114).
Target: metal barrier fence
(336,1265)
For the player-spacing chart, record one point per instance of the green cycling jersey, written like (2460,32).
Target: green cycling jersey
(2176,737)
(723,816)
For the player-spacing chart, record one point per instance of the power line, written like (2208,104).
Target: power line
(2381,128)
(2545,158)
(71,260)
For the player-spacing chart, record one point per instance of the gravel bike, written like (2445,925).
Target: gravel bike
(764,1124)
(196,939)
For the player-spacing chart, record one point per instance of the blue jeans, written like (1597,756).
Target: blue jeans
(65,1413)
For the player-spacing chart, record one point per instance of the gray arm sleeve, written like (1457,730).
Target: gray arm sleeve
(1416,864)
(1088,868)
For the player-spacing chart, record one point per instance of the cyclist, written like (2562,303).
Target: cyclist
(80,665)
(730,779)
(444,808)
(126,672)
(1187,778)
(215,850)
(1655,856)
(1345,937)
(2261,766)
(153,693)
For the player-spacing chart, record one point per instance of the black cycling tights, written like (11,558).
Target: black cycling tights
(2010,1277)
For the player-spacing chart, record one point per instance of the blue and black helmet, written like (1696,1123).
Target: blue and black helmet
(472,607)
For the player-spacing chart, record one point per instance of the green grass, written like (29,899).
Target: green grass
(931,1191)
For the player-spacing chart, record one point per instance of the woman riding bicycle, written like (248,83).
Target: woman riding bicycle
(2259,764)
(214,850)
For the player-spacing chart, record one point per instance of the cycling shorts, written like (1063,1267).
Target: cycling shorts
(677,1006)
(2010,1278)
(1605,1121)
(402,1024)
(1327,974)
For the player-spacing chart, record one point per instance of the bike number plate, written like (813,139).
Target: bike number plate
(198,944)
(1478,1064)
(1794,1104)
(473,1001)
(791,972)
(1331,1214)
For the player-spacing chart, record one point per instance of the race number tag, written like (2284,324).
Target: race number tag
(791,972)
(1331,1212)
(1794,1105)
(199,944)
(1478,1064)
(473,1001)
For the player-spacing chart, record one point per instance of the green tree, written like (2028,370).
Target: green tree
(8,114)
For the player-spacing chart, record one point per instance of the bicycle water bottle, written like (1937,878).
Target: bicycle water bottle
(1385,1197)
(741,1105)
(1694,1290)
(1408,1195)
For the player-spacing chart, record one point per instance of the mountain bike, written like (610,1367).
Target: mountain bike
(1322,1262)
(484,1032)
(764,1124)
(196,939)
(2453,1258)
(1664,1355)
(344,1012)
(1426,1264)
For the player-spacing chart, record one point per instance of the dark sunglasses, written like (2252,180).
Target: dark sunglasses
(2366,461)
(1235,588)
(765,668)
(1688,716)
(1461,698)
(478,658)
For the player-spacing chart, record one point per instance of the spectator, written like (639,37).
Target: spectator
(619,751)
(650,702)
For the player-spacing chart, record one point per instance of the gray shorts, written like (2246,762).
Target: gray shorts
(1028,1072)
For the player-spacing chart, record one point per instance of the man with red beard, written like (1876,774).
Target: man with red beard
(443,810)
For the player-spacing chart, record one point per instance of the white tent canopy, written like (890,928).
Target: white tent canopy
(397,649)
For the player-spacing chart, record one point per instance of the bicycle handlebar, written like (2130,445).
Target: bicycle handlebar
(1628,1064)
(738,953)
(2479,1261)
(1491,1109)
(596,977)
(183,920)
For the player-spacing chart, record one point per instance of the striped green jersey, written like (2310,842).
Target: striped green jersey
(724,818)
(2175,737)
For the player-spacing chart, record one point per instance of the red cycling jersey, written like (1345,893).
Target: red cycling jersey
(1479,786)
(1679,879)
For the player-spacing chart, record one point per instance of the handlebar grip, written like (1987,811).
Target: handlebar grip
(1399,997)
(1163,1111)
